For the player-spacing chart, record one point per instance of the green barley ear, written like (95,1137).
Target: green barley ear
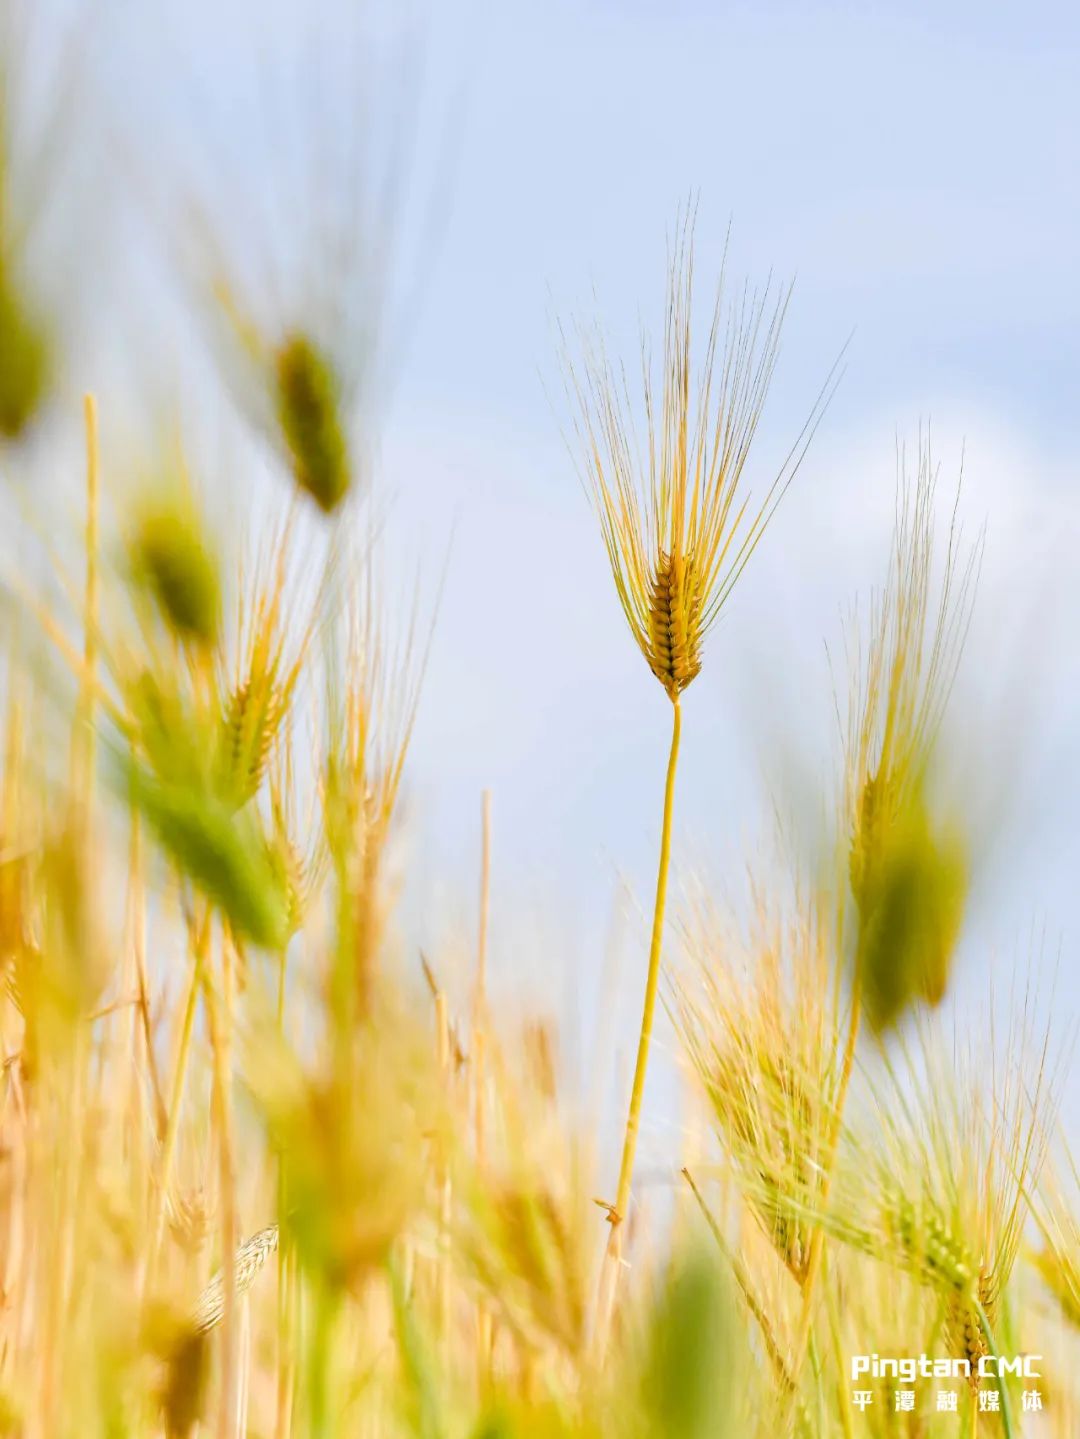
(26,361)
(308,406)
(689,1384)
(173,562)
(929,1243)
(910,883)
(223,853)
(938,1184)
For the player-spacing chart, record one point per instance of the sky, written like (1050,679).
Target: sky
(911,167)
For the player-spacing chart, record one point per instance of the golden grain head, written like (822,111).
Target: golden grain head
(677,529)
(308,406)
(674,633)
(964,1324)
(298,873)
(249,1259)
(253,713)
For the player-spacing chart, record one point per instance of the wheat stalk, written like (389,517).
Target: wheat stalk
(677,536)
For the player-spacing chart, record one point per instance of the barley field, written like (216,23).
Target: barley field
(269,1166)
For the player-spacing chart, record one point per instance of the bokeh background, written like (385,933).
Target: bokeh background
(914,167)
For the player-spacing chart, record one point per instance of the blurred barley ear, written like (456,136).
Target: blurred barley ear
(26,358)
(308,403)
(908,877)
(174,564)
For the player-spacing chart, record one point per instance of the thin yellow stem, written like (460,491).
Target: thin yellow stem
(485,903)
(442,1033)
(176,1100)
(483,1315)
(817,1242)
(244,1384)
(612,1264)
(286,1368)
(134,1110)
(746,1287)
(219,1019)
(73,1077)
(84,747)
(843,1394)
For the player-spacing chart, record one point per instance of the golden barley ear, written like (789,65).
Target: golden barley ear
(674,631)
(253,714)
(247,1262)
(964,1327)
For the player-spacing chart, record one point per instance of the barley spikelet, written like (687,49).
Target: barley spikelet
(927,1245)
(955,1153)
(762,1044)
(298,872)
(769,1129)
(675,624)
(255,709)
(964,1328)
(249,1259)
